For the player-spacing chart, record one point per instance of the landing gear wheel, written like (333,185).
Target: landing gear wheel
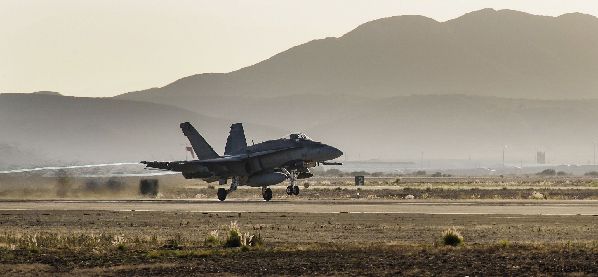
(222,194)
(290,190)
(267,194)
(296,190)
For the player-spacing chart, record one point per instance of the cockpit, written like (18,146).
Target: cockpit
(299,136)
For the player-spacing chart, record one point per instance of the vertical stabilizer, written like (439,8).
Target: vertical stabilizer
(202,149)
(236,142)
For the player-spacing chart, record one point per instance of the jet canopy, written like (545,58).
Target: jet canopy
(299,136)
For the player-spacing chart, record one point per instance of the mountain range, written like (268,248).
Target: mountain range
(488,53)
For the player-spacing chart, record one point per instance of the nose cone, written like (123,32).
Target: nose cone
(332,153)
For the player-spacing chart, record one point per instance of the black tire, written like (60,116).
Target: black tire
(222,194)
(289,190)
(267,194)
(296,190)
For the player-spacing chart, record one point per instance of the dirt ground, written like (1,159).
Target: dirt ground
(511,226)
(371,261)
(298,244)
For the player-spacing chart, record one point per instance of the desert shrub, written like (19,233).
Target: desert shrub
(452,237)
(547,172)
(174,243)
(436,174)
(537,195)
(306,185)
(592,174)
(236,238)
(377,174)
(121,247)
(212,239)
(256,240)
(45,240)
(210,186)
(233,238)
(333,172)
(561,173)
(420,173)
(359,173)
(504,243)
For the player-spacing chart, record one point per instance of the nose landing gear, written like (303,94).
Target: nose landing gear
(292,189)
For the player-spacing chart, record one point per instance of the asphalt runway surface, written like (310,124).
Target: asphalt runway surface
(514,207)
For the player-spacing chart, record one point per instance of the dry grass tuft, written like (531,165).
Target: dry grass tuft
(236,238)
(452,237)
(213,239)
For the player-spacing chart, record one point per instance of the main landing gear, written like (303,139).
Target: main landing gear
(267,193)
(222,193)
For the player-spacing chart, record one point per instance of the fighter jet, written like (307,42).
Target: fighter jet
(259,165)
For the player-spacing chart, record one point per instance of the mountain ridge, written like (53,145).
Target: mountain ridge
(501,53)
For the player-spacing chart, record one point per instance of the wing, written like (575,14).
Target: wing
(241,157)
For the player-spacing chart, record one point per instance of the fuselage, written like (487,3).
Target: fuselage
(279,154)
(261,164)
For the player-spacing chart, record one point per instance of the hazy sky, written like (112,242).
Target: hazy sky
(104,48)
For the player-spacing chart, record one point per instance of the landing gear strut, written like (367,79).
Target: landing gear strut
(267,193)
(292,189)
(222,193)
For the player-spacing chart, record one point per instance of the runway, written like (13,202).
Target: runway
(505,207)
